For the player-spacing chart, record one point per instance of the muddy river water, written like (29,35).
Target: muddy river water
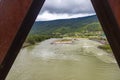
(81,60)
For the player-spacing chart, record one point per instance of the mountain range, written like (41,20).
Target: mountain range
(63,26)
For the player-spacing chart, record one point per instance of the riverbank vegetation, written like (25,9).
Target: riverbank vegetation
(87,27)
(106,47)
(32,39)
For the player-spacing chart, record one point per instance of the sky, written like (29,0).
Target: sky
(65,9)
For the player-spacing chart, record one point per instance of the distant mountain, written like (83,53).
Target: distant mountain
(63,26)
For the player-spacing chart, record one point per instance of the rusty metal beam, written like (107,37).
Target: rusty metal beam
(108,12)
(16,20)
(12,14)
(115,6)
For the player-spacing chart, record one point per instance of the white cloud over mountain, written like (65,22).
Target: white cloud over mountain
(62,9)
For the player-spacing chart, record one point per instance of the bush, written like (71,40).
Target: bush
(32,39)
(106,47)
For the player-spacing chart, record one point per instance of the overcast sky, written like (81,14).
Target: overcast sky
(63,9)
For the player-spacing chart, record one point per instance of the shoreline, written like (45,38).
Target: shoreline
(69,41)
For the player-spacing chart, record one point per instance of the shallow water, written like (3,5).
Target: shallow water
(81,60)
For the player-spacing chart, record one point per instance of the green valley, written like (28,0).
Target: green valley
(77,27)
(85,27)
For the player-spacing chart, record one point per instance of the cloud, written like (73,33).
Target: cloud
(58,9)
(46,16)
(68,6)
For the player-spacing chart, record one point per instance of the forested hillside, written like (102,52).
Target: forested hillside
(76,27)
(64,26)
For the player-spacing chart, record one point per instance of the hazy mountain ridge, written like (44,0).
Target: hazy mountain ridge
(85,27)
(66,25)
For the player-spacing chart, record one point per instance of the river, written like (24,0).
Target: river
(81,60)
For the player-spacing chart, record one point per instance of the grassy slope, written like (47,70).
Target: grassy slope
(65,25)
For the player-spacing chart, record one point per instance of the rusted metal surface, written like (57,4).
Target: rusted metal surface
(115,6)
(12,14)
(16,20)
(108,12)
(115,10)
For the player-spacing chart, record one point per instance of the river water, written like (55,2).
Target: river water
(81,60)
